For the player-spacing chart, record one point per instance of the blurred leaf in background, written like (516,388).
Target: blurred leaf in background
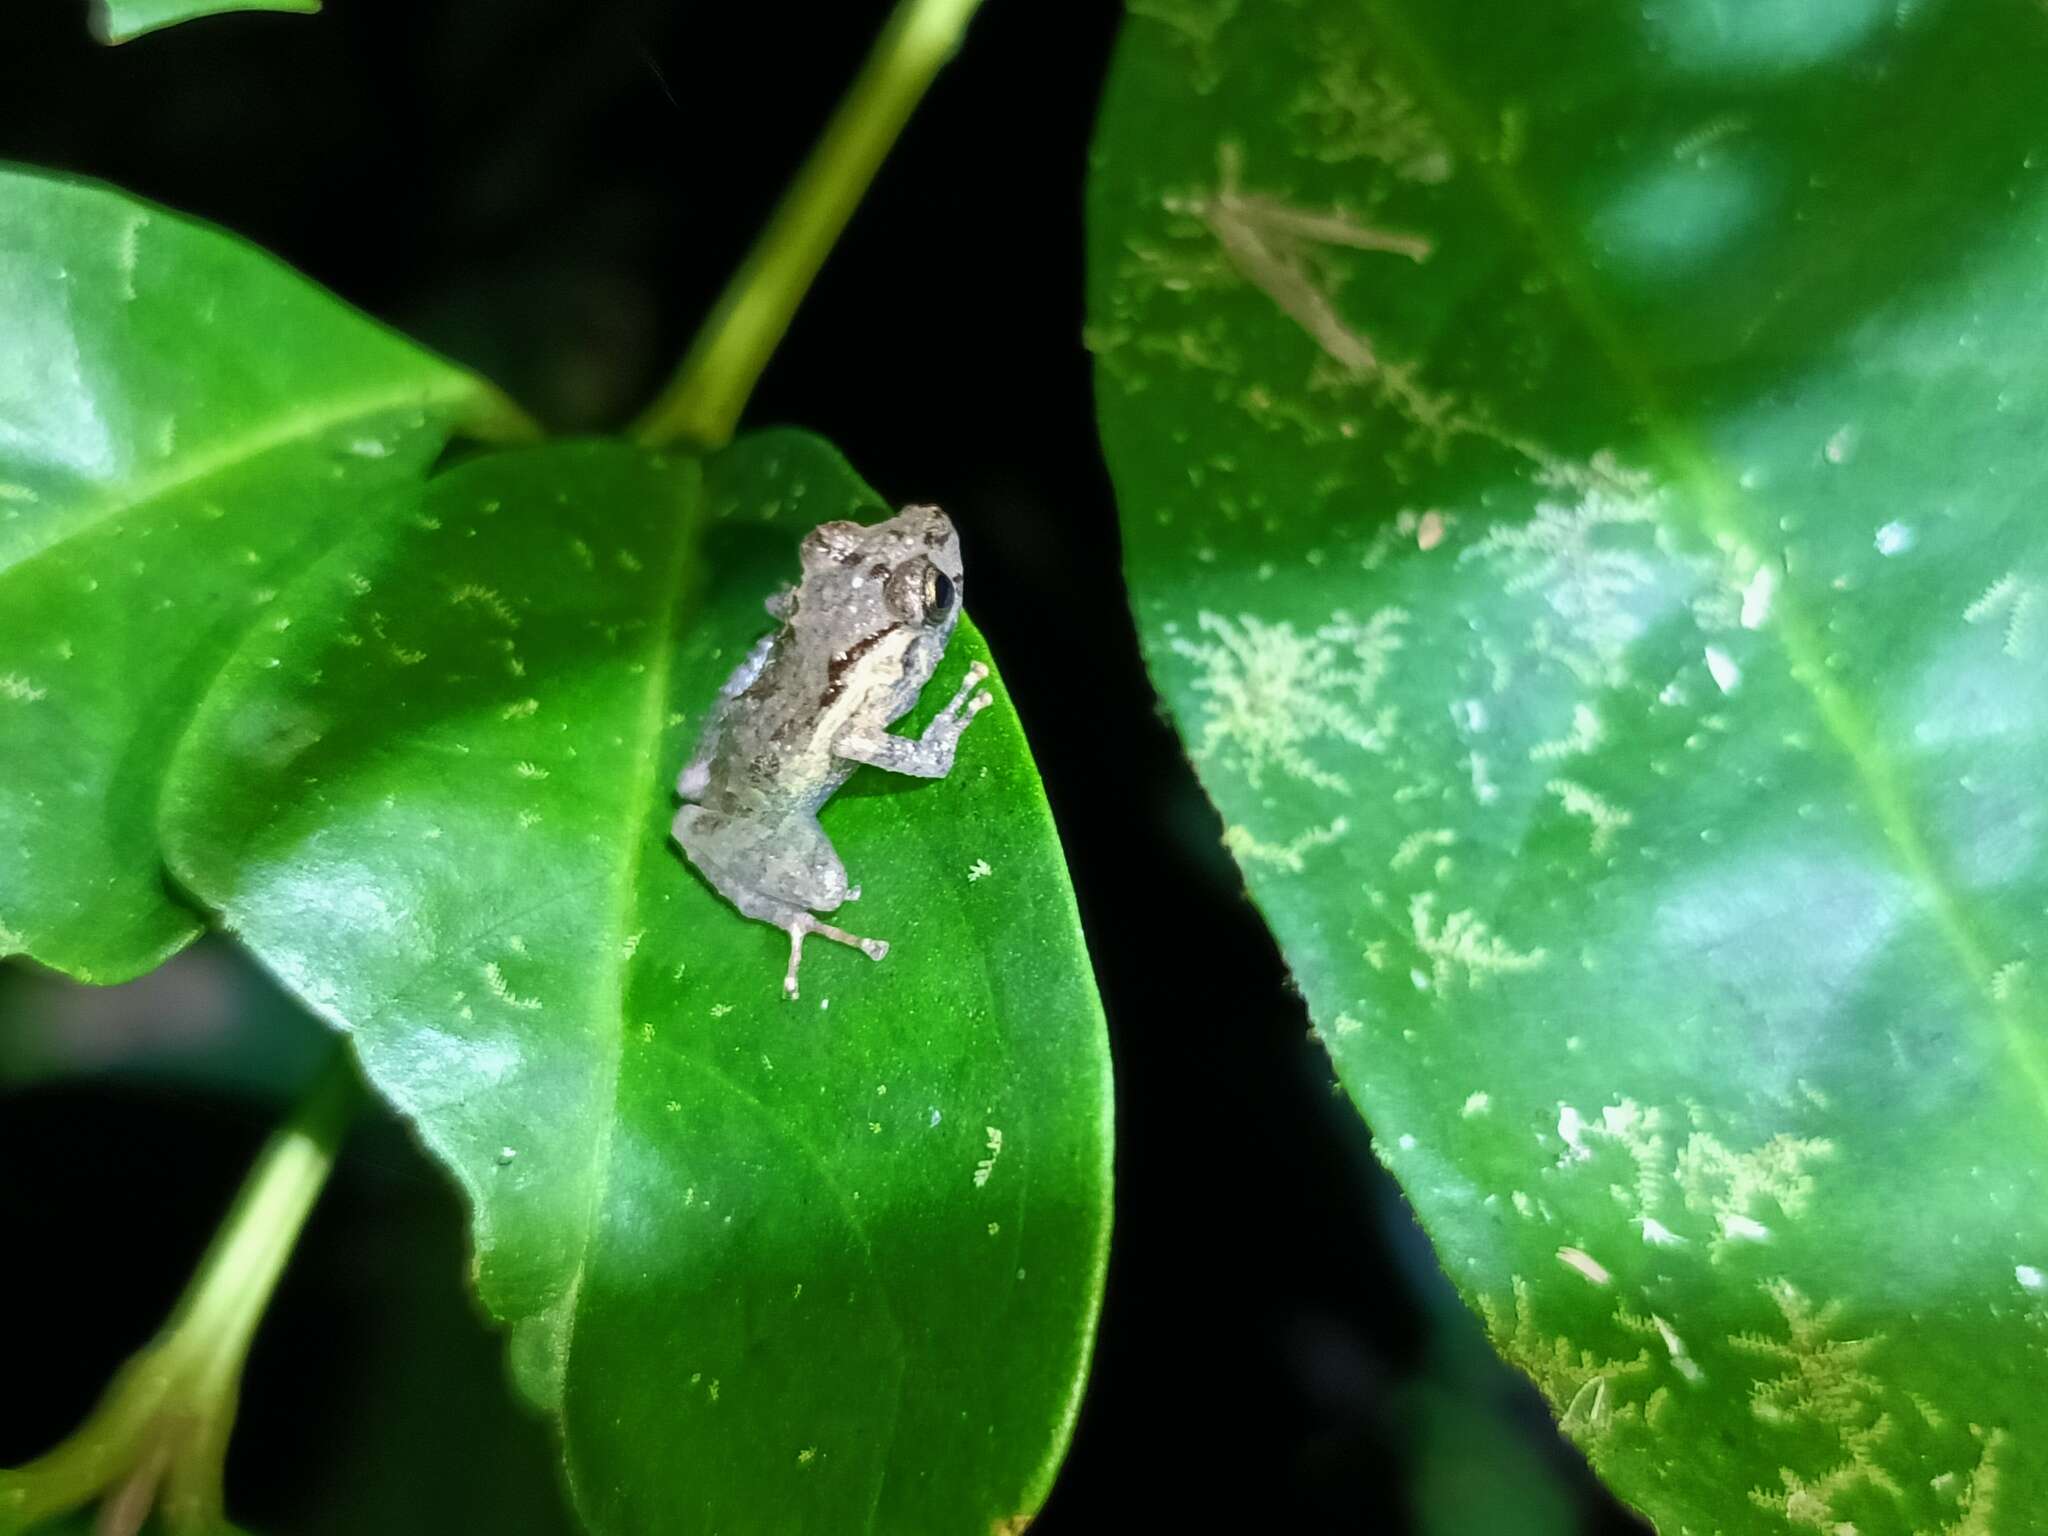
(1580,476)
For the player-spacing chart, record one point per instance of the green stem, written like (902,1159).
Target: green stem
(164,1421)
(702,403)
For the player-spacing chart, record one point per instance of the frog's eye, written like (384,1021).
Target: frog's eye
(938,594)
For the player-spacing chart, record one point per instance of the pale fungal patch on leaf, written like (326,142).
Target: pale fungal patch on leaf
(1462,945)
(1591,561)
(1416,844)
(2008,981)
(2018,600)
(987,1165)
(1979,1501)
(472,595)
(128,250)
(494,978)
(1604,818)
(1484,790)
(1822,1383)
(978,870)
(1344,1025)
(1730,1186)
(1268,692)
(1353,111)
(20,689)
(527,770)
(1477,1104)
(524,709)
(1291,856)
(1587,733)
(1694,144)
(1197,25)
(1585,1388)
(1633,1130)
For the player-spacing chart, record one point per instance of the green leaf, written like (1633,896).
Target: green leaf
(824,1265)
(119,21)
(184,426)
(1582,483)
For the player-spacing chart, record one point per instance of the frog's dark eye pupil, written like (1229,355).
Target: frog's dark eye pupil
(938,595)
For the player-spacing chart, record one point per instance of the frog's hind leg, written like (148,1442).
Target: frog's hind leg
(801,924)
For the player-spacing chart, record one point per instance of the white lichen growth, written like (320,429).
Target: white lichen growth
(1605,819)
(1592,1393)
(1822,1383)
(1462,946)
(987,1165)
(1270,693)
(1595,561)
(1732,1188)
(1291,856)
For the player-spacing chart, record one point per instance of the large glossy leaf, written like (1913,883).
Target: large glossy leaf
(1582,472)
(830,1265)
(118,21)
(184,425)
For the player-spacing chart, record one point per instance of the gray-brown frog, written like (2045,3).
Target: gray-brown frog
(862,632)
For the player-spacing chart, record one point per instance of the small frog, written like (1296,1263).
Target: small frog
(862,632)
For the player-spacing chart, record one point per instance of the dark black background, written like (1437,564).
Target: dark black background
(553,192)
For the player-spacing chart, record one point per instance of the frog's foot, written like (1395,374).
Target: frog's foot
(803,925)
(980,701)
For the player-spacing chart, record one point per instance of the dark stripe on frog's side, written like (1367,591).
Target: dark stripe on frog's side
(836,669)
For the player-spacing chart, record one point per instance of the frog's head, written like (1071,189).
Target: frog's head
(905,571)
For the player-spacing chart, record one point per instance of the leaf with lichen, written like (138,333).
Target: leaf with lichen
(1669,900)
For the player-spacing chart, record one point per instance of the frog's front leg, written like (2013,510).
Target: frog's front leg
(931,755)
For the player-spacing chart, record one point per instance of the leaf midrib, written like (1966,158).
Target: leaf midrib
(625,897)
(1722,515)
(233,453)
